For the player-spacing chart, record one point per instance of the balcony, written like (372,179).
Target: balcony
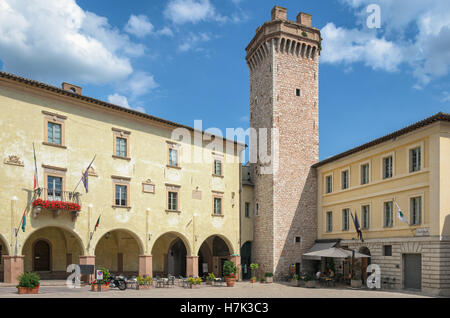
(56,201)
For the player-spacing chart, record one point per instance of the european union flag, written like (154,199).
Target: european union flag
(86,180)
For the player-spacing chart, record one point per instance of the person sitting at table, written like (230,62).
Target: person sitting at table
(331,273)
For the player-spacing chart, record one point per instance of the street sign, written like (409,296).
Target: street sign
(99,275)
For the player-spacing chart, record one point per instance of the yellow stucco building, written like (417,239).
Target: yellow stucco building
(161,211)
(407,170)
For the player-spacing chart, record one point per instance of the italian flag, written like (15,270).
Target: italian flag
(400,214)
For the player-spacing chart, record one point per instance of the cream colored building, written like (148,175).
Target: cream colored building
(409,168)
(160,211)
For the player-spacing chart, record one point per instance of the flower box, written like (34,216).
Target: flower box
(56,205)
(143,287)
(269,280)
(194,286)
(99,288)
(28,290)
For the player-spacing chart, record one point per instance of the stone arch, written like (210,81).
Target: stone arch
(130,232)
(219,249)
(4,251)
(118,250)
(169,252)
(4,242)
(65,248)
(60,227)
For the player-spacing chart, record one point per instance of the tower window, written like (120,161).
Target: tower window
(298,92)
(298,239)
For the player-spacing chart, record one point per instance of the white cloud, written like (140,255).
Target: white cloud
(192,41)
(139,26)
(414,32)
(120,100)
(193,11)
(350,46)
(165,31)
(53,40)
(139,84)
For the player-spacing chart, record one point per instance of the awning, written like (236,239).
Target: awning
(334,252)
(320,246)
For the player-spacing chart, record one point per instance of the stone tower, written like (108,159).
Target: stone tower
(283,58)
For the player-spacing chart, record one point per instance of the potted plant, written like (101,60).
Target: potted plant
(28,283)
(102,285)
(356,281)
(269,277)
(295,280)
(253,268)
(309,281)
(144,282)
(194,282)
(262,280)
(210,279)
(229,272)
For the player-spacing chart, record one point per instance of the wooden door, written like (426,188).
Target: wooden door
(41,256)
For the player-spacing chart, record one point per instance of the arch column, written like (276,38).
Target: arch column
(237,261)
(146,265)
(192,266)
(13,266)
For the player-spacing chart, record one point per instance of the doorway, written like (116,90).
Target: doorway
(412,271)
(41,256)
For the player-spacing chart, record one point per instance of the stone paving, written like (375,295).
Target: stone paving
(241,290)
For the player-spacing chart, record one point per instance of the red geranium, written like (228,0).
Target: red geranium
(57,205)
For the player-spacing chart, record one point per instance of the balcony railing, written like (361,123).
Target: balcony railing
(56,201)
(56,195)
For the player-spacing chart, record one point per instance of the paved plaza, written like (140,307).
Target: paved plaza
(241,290)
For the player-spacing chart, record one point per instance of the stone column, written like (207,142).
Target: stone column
(146,265)
(87,260)
(192,266)
(237,261)
(13,268)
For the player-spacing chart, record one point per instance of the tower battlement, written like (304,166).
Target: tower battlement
(298,38)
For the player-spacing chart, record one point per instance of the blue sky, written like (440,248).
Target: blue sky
(184,60)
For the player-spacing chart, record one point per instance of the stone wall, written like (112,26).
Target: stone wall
(435,261)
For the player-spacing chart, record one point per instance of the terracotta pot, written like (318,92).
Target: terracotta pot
(143,287)
(99,288)
(253,281)
(230,281)
(27,290)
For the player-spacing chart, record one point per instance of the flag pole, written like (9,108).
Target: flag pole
(83,175)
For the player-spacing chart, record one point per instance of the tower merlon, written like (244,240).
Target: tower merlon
(296,37)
